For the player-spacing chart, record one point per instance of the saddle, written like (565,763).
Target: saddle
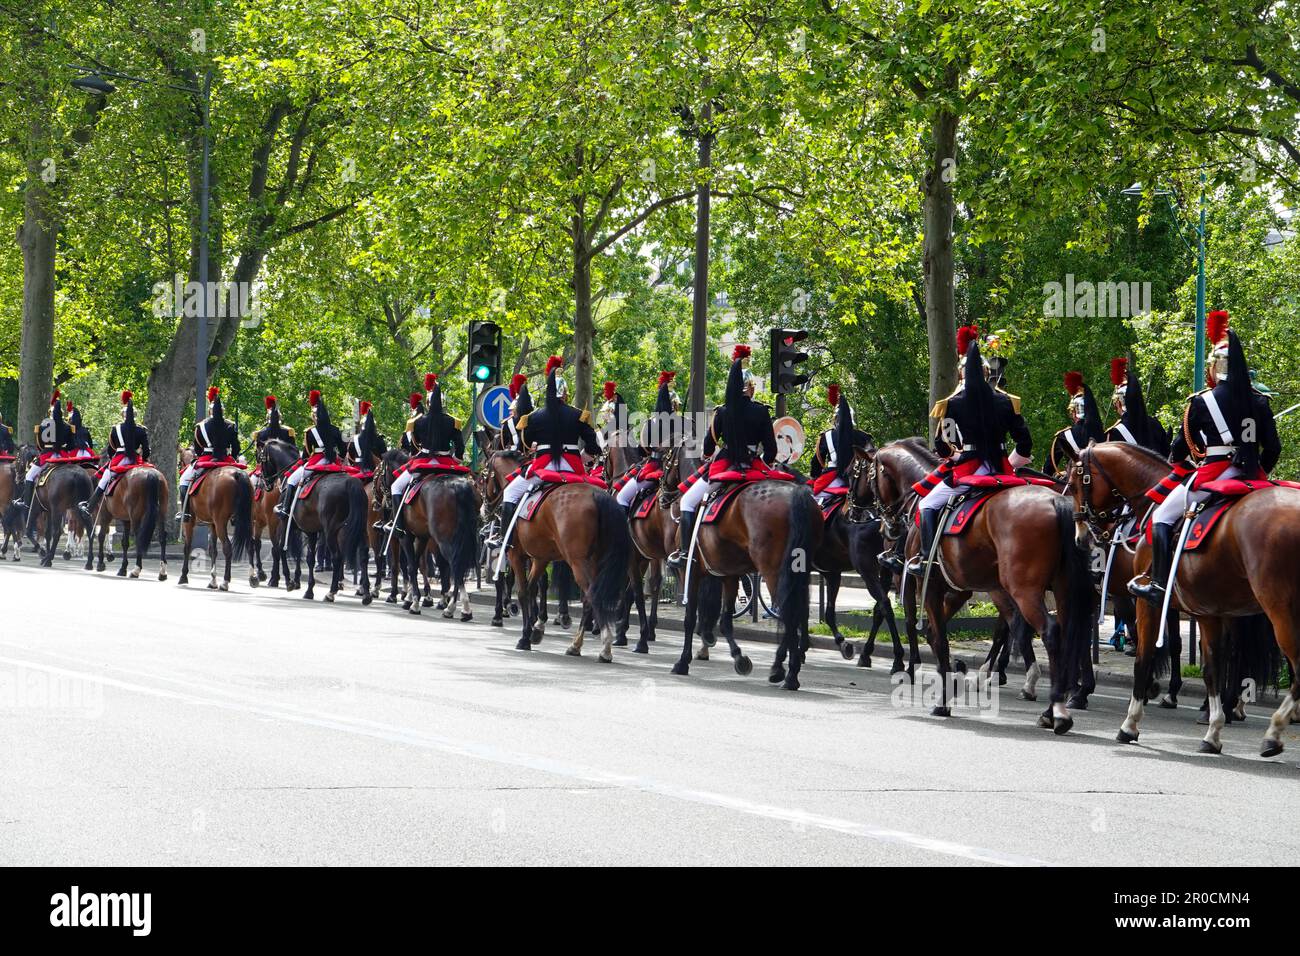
(832,505)
(423,476)
(716,504)
(207,469)
(965,507)
(644,502)
(535,500)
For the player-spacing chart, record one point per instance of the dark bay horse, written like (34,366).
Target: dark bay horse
(58,490)
(442,514)
(224,502)
(584,527)
(1245,569)
(771,527)
(1020,545)
(10,526)
(139,497)
(655,538)
(277,459)
(336,509)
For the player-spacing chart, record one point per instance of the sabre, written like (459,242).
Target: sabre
(1110,563)
(505,538)
(690,554)
(1173,576)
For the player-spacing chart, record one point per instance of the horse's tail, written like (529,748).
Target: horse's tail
(792,586)
(615,542)
(1076,629)
(354,526)
(152,490)
(1021,636)
(461,552)
(1252,656)
(241,542)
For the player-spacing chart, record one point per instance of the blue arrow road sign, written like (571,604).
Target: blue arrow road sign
(494,406)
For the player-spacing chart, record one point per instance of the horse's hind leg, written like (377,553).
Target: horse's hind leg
(126,548)
(832,579)
(726,615)
(683,665)
(312,541)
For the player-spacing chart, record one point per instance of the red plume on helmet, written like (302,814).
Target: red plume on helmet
(610,389)
(1073,381)
(1118,371)
(833,396)
(363,409)
(313,397)
(741,352)
(1216,326)
(213,392)
(666,377)
(55,397)
(552,364)
(430,380)
(126,396)
(270,402)
(516,383)
(965,336)
(415,400)
(69,406)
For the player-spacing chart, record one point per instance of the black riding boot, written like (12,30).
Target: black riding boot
(285,506)
(929,528)
(87,508)
(25,497)
(1162,553)
(684,530)
(507,515)
(184,514)
(892,560)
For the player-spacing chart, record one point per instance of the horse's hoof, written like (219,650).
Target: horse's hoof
(449,613)
(514,608)
(1061,725)
(572,651)
(467,617)
(1125,737)
(1167,703)
(212,585)
(538,633)
(253,581)
(329,598)
(896,668)
(261,575)
(641,647)
(162,575)
(702,654)
(427,602)
(1077,703)
(1209,748)
(605,658)
(708,640)
(525,644)
(681,669)
(1045,721)
(1270,748)
(121,572)
(776,674)
(791,683)
(1025,695)
(414,609)
(620,641)
(1002,678)
(565,621)
(224,586)
(497,622)
(182,580)
(846,650)
(865,661)
(366,599)
(744,666)
(391,599)
(308,596)
(941,712)
(67,555)
(959,666)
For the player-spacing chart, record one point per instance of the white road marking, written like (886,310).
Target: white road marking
(492,754)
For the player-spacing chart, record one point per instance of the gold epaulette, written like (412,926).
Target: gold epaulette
(410,423)
(523,422)
(585,417)
(457,422)
(1015,401)
(940,408)
(292,434)
(1193,449)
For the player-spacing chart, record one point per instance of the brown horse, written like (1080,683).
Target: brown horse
(771,527)
(1020,545)
(584,527)
(442,513)
(1245,569)
(224,502)
(655,538)
(139,496)
(10,528)
(336,508)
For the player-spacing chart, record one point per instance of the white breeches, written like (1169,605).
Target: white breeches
(296,476)
(34,472)
(1171,509)
(188,476)
(943,492)
(629,492)
(694,495)
(83,453)
(519,487)
(400,484)
(109,475)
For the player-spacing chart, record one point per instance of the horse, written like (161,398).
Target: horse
(654,538)
(772,527)
(442,512)
(498,466)
(336,509)
(140,495)
(1242,571)
(60,488)
(224,502)
(1020,545)
(379,497)
(853,541)
(10,527)
(584,527)
(277,458)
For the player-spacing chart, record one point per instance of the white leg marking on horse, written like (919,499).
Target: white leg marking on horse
(1281,718)
(1060,710)
(1217,720)
(1031,678)
(1130,725)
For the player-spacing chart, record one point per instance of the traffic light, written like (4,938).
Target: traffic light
(483,355)
(786,359)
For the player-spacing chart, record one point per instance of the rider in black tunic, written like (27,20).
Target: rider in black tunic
(1135,426)
(128,444)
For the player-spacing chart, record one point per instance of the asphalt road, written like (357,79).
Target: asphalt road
(145,723)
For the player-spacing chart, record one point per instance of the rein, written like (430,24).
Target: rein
(1102,523)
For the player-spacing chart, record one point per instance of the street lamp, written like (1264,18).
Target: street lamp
(1198,374)
(96,81)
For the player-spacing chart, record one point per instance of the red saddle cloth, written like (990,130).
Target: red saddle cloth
(645,504)
(437,463)
(59,458)
(831,506)
(207,461)
(717,504)
(758,470)
(317,462)
(821,485)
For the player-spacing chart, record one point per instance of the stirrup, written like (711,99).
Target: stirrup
(1152,591)
(677,559)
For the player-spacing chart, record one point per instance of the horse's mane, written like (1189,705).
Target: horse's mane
(394,457)
(918,447)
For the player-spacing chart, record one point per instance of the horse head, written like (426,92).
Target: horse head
(1106,479)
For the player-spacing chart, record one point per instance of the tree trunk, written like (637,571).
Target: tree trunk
(37,237)
(584,327)
(696,397)
(940,300)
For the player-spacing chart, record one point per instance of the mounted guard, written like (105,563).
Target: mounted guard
(53,440)
(660,434)
(323,449)
(1085,426)
(273,430)
(831,463)
(128,444)
(1134,426)
(439,446)
(366,445)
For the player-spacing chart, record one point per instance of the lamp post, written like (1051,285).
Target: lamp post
(1198,372)
(97,81)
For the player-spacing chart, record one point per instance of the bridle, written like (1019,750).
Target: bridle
(1103,523)
(668,493)
(860,509)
